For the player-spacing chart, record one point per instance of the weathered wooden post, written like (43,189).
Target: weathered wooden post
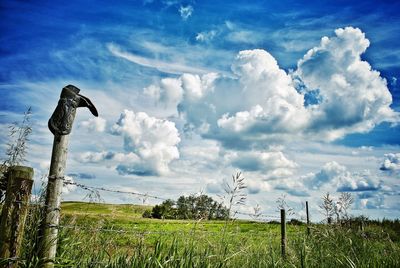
(283,232)
(308,219)
(14,213)
(60,124)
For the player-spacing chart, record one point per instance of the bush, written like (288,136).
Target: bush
(146,213)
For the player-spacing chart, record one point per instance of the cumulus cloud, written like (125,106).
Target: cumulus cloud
(274,164)
(255,186)
(355,98)
(169,92)
(358,182)
(151,143)
(94,124)
(331,171)
(391,162)
(95,157)
(370,202)
(332,93)
(186,11)
(292,187)
(338,176)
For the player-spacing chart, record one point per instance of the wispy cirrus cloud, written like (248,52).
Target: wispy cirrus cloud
(162,66)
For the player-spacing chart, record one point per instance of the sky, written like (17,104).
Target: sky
(302,97)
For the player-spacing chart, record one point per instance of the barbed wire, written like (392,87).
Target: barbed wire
(86,187)
(254,216)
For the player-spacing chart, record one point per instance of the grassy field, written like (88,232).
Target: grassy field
(102,235)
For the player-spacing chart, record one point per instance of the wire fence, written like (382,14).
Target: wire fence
(81,225)
(234,214)
(256,215)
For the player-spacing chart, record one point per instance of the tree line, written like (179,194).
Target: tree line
(190,207)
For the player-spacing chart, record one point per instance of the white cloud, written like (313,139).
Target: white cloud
(244,37)
(292,186)
(355,98)
(153,140)
(94,124)
(186,11)
(261,161)
(206,36)
(150,144)
(261,104)
(371,202)
(391,162)
(336,175)
(240,35)
(162,66)
(358,182)
(330,171)
(256,186)
(169,92)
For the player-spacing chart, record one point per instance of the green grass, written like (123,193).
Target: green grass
(101,235)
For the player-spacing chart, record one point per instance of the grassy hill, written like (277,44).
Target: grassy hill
(109,235)
(127,217)
(123,211)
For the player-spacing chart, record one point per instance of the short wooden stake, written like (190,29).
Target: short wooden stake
(308,219)
(283,233)
(14,213)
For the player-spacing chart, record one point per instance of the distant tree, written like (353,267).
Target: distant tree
(146,213)
(165,210)
(191,207)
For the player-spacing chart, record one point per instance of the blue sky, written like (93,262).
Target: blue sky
(301,97)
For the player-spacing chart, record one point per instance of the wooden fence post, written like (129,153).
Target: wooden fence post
(13,214)
(283,232)
(49,228)
(60,124)
(308,219)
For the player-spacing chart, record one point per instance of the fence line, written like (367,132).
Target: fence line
(89,188)
(85,187)
(266,217)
